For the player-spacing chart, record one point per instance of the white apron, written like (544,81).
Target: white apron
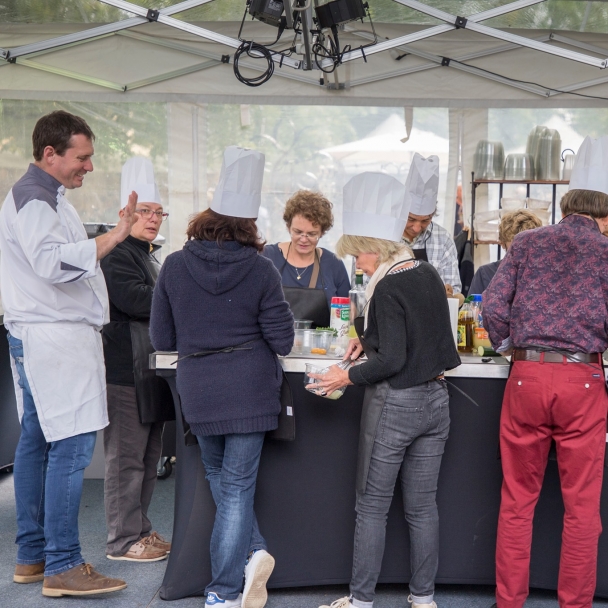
(65,369)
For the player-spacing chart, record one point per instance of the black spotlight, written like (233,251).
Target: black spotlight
(268,11)
(339,11)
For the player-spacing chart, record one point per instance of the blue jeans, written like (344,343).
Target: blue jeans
(231,465)
(409,444)
(48,485)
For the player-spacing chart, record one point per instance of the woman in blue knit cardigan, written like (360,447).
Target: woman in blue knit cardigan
(218,292)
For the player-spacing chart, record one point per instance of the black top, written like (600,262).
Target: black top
(483,276)
(409,325)
(130,284)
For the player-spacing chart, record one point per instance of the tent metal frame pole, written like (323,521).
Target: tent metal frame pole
(175,74)
(176,46)
(438,61)
(69,74)
(471,24)
(193,29)
(433,31)
(96,32)
(577,43)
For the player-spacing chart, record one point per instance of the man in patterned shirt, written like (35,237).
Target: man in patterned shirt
(430,241)
(548,305)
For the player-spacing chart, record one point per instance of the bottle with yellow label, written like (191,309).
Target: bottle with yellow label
(465,327)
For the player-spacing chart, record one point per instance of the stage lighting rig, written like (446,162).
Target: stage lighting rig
(330,16)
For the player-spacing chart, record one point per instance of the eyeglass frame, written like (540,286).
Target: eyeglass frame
(298,234)
(147,213)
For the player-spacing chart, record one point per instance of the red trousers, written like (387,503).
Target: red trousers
(567,402)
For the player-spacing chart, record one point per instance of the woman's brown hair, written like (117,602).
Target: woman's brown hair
(313,206)
(211,226)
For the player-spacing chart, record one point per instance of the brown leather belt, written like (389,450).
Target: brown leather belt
(551,356)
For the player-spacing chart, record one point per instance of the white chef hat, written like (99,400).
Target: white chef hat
(239,191)
(138,176)
(422,185)
(590,171)
(374,206)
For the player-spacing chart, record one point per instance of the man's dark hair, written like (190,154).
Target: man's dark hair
(587,202)
(56,129)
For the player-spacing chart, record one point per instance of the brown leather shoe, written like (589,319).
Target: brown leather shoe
(80,580)
(144,550)
(160,542)
(28,573)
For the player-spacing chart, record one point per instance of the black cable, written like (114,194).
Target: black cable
(250,48)
(536,84)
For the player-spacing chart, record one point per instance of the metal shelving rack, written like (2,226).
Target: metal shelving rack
(501,182)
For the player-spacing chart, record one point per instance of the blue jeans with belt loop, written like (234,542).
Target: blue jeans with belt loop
(409,443)
(231,465)
(48,485)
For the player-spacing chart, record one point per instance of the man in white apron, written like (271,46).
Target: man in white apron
(55,303)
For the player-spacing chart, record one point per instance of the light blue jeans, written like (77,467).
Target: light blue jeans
(231,465)
(409,444)
(48,486)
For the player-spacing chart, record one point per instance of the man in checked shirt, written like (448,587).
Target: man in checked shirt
(548,305)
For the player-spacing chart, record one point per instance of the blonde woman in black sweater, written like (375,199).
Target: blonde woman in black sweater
(408,341)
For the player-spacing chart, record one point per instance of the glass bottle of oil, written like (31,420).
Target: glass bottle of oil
(466,327)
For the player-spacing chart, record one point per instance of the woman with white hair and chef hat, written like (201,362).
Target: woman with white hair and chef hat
(407,337)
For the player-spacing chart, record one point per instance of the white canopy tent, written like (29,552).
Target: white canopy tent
(454,60)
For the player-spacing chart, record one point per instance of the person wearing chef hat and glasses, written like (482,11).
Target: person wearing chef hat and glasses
(430,241)
(138,400)
(220,304)
(407,337)
(547,304)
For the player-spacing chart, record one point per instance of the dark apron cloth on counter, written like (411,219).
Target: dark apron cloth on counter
(420,254)
(373,404)
(154,400)
(308,303)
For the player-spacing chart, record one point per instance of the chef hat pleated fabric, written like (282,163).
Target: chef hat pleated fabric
(590,171)
(138,175)
(422,185)
(239,191)
(374,206)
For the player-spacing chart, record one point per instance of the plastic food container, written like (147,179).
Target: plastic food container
(302,324)
(321,342)
(303,341)
(519,167)
(314,369)
(489,160)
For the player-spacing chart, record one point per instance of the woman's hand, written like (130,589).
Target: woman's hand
(354,350)
(332,380)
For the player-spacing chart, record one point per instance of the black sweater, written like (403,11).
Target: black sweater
(130,286)
(409,325)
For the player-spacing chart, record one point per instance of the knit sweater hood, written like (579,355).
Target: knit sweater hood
(218,268)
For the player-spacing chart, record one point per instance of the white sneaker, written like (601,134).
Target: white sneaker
(415,605)
(215,601)
(343,602)
(257,572)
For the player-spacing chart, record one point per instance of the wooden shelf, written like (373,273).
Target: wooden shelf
(521,181)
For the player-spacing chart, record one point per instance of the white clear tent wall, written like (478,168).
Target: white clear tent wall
(318,147)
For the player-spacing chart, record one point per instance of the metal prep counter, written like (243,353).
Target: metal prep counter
(305,494)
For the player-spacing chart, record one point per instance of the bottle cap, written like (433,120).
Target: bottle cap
(337,300)
(476,297)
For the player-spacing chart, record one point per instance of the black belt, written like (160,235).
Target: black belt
(551,356)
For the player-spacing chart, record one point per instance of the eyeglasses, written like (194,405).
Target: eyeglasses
(147,213)
(311,236)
